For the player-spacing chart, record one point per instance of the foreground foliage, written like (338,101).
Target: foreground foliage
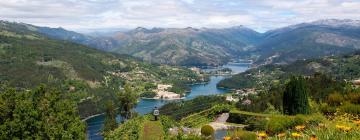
(42,113)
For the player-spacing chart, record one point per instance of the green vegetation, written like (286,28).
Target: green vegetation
(152,130)
(264,77)
(89,76)
(243,135)
(130,130)
(207,130)
(179,110)
(110,117)
(148,94)
(127,100)
(295,100)
(42,113)
(206,116)
(143,127)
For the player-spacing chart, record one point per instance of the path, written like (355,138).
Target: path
(152,131)
(220,123)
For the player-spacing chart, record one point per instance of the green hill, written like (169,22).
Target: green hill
(28,58)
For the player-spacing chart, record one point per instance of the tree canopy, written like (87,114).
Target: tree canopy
(41,113)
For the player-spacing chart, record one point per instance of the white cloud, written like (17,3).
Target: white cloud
(260,14)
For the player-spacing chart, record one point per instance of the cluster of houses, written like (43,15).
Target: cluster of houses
(163,93)
(242,94)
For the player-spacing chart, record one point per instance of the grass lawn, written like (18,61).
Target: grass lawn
(152,130)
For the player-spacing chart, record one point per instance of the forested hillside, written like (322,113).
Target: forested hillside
(344,67)
(28,58)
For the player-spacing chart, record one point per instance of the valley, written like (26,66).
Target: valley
(145,106)
(299,81)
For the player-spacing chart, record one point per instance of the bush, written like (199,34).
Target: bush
(335,99)
(239,118)
(350,108)
(328,110)
(354,98)
(207,130)
(281,123)
(243,135)
(255,124)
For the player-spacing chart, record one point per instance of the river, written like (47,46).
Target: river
(145,106)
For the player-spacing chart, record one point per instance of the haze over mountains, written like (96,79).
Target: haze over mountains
(206,46)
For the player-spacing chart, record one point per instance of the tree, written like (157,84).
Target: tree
(110,117)
(295,99)
(127,101)
(42,113)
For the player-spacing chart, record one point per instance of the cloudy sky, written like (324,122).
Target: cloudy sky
(260,15)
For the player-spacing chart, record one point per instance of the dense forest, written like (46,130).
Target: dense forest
(89,76)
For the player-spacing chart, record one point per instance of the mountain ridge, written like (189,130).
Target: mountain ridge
(216,46)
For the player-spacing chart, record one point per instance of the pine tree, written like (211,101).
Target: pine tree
(295,100)
(110,117)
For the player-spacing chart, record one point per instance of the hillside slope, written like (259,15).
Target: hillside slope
(340,67)
(174,46)
(28,58)
(309,40)
(187,46)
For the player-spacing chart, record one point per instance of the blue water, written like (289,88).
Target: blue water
(145,106)
(235,67)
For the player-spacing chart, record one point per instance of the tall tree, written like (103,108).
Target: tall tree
(295,99)
(127,101)
(110,117)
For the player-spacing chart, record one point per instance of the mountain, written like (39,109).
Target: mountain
(29,58)
(101,42)
(309,40)
(186,46)
(206,46)
(174,46)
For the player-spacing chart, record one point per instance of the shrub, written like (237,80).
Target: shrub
(207,130)
(354,98)
(326,109)
(239,118)
(335,99)
(279,124)
(255,124)
(243,135)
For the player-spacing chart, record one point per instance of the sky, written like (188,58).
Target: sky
(260,15)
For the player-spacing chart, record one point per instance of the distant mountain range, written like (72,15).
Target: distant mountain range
(309,40)
(205,46)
